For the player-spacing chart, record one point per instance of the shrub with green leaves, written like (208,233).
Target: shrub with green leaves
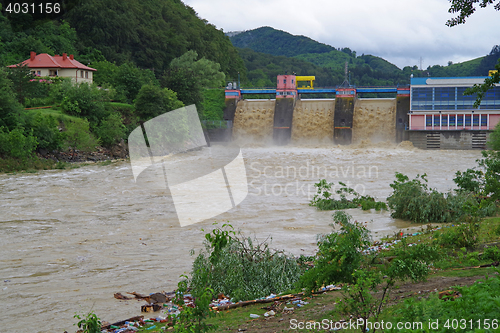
(78,136)
(339,254)
(16,143)
(241,267)
(86,101)
(368,279)
(46,130)
(464,235)
(412,262)
(192,319)
(324,198)
(111,130)
(413,200)
(90,323)
(491,253)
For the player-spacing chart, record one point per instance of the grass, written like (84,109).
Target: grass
(122,106)
(55,112)
(30,165)
(35,164)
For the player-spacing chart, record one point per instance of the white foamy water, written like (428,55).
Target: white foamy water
(71,239)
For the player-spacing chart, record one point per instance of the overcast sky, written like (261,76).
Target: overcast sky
(400,31)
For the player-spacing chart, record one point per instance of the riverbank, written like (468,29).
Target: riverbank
(457,268)
(70,158)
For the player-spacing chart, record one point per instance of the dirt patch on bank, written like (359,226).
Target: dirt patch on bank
(323,306)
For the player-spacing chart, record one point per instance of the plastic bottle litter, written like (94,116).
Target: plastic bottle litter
(254,315)
(269,313)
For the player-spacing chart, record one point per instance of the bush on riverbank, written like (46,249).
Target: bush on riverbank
(339,254)
(413,200)
(324,198)
(242,267)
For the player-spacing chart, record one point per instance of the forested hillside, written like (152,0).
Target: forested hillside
(278,43)
(147,33)
(263,69)
(151,57)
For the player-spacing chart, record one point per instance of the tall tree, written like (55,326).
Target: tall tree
(153,101)
(188,77)
(466,8)
(10,109)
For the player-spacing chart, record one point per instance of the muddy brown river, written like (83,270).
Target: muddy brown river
(70,239)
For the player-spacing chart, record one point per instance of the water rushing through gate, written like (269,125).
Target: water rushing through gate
(313,121)
(71,239)
(253,121)
(374,120)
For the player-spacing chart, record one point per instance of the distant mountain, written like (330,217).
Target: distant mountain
(278,43)
(364,70)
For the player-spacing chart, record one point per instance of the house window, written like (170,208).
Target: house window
(81,74)
(86,74)
(52,72)
(33,72)
(284,81)
(38,73)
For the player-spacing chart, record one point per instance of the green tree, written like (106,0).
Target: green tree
(78,136)
(111,130)
(188,77)
(153,101)
(105,73)
(22,82)
(87,101)
(466,8)
(10,109)
(339,254)
(16,144)
(46,130)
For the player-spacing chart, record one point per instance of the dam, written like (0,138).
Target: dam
(432,113)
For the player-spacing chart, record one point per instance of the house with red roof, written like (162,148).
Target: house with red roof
(62,66)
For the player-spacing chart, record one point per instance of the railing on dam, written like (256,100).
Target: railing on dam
(322,90)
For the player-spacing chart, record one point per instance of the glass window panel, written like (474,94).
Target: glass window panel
(452,120)
(428,120)
(475,120)
(444,120)
(436,120)
(460,120)
(467,119)
(484,120)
